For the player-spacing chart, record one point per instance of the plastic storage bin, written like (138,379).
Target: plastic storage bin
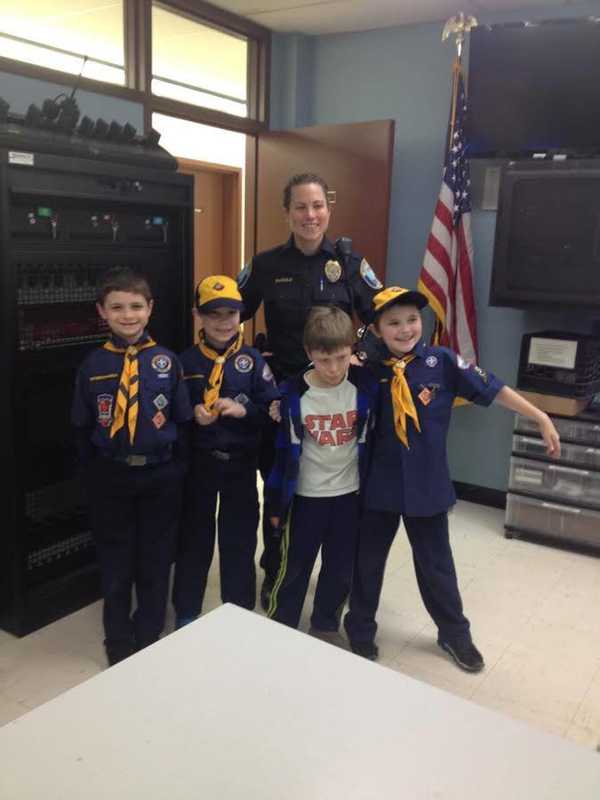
(554,520)
(575,454)
(570,430)
(555,482)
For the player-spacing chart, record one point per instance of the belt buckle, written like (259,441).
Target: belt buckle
(221,455)
(134,460)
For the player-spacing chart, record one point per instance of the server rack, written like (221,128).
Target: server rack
(63,222)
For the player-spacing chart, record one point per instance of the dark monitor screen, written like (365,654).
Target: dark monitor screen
(547,249)
(534,88)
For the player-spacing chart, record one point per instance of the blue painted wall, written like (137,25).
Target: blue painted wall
(404,73)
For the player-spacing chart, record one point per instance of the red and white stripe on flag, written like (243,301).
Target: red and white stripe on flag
(447,272)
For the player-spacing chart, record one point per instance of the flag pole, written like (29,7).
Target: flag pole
(459,26)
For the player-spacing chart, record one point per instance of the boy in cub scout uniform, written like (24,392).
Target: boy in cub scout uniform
(231,387)
(408,475)
(130,400)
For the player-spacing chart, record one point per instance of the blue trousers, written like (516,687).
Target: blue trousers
(434,569)
(134,515)
(233,483)
(328,523)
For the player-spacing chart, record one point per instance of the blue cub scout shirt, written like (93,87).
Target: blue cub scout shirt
(163,400)
(416,481)
(247,378)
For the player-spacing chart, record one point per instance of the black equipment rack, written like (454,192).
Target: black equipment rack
(64,221)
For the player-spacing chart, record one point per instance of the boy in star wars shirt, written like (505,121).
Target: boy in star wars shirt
(320,459)
(129,408)
(231,387)
(408,472)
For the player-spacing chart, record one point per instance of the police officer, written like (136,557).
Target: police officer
(307,270)
(129,406)
(231,387)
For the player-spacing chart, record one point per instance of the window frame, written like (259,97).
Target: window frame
(137,22)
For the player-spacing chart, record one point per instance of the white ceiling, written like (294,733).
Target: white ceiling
(342,16)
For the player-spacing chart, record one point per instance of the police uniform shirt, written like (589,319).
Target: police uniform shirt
(416,481)
(163,400)
(290,283)
(247,379)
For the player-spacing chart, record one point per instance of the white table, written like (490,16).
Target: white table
(236,706)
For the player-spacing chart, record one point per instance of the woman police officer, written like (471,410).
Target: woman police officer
(307,270)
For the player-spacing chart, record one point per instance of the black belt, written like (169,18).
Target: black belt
(230,455)
(138,460)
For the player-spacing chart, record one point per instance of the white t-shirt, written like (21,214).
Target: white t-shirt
(329,460)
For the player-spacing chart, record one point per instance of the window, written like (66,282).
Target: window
(71,36)
(198,64)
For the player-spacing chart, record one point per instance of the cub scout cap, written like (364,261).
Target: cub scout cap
(217,291)
(395,295)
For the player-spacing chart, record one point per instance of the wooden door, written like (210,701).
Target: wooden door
(217,219)
(355,159)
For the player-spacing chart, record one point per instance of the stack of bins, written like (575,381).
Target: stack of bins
(558,500)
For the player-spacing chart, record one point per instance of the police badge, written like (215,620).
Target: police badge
(333,271)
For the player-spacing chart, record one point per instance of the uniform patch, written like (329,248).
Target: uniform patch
(105,405)
(245,275)
(333,271)
(161,363)
(242,399)
(243,363)
(368,276)
(482,374)
(425,396)
(159,420)
(160,401)
(431,361)
(461,362)
(267,373)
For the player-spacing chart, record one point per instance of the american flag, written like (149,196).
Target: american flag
(446,275)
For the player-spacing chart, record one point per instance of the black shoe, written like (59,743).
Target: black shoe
(265,593)
(118,652)
(466,655)
(365,649)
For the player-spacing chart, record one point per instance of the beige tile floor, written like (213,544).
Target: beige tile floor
(535,613)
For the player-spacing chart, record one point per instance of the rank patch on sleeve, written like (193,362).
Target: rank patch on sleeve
(159,420)
(105,405)
(368,276)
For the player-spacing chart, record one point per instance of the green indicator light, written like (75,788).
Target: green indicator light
(44,212)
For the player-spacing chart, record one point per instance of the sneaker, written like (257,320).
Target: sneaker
(365,649)
(265,593)
(118,652)
(331,637)
(466,655)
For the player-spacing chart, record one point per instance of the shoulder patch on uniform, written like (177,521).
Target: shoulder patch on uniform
(161,363)
(368,276)
(482,374)
(245,275)
(267,373)
(243,363)
(431,361)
